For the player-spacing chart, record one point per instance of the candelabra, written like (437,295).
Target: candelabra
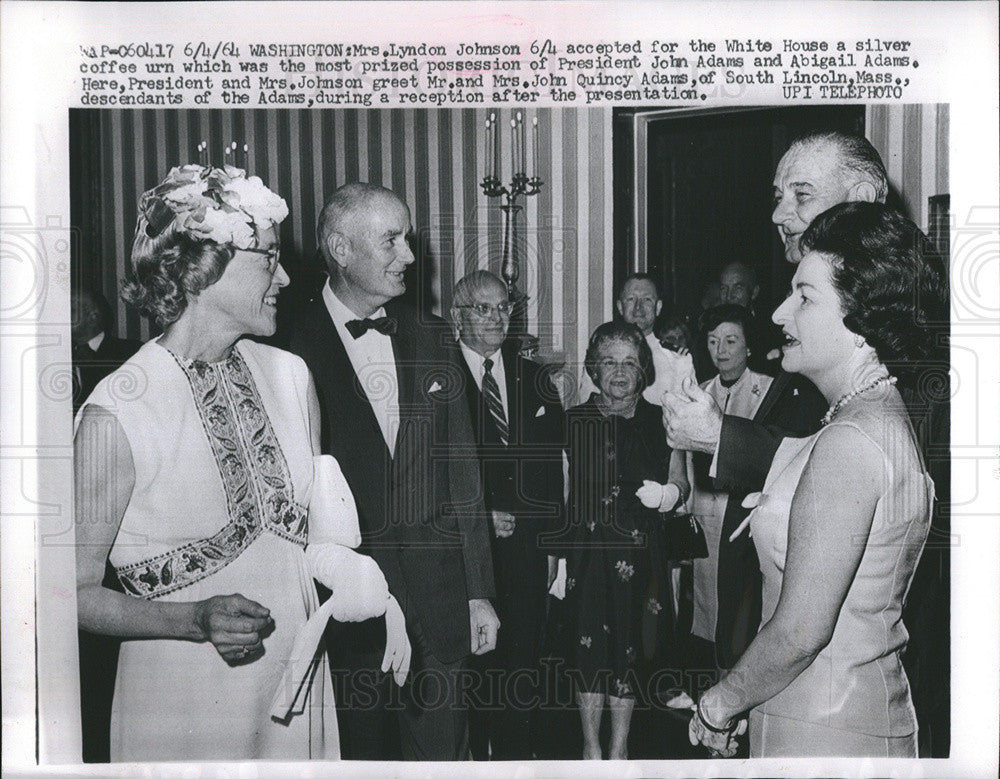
(230,155)
(521,185)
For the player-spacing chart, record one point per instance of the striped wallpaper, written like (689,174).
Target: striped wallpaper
(434,159)
(913,142)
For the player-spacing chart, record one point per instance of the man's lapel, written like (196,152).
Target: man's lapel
(408,373)
(404,351)
(774,392)
(515,392)
(103,350)
(344,381)
(472,394)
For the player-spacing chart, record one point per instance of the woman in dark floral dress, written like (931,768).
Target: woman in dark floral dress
(622,482)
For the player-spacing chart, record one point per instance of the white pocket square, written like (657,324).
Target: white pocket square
(434,388)
(540,412)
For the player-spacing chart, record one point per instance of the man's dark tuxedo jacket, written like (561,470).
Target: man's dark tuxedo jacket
(420,510)
(95,365)
(524,478)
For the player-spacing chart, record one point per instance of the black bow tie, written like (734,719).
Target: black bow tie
(385,325)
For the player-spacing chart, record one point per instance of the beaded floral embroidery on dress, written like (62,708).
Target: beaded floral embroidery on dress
(255,477)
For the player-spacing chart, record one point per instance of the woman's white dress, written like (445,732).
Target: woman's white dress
(742,399)
(223,473)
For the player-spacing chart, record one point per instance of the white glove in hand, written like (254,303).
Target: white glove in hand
(358,592)
(654,495)
(558,587)
(358,587)
(397,644)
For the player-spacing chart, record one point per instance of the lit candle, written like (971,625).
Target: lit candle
(246,151)
(534,147)
(496,144)
(513,147)
(520,134)
(488,152)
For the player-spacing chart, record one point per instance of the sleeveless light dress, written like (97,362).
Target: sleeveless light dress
(854,698)
(223,473)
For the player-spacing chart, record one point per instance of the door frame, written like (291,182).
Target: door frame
(640,120)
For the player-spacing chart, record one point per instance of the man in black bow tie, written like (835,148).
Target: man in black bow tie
(393,418)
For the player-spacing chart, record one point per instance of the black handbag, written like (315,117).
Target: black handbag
(684,538)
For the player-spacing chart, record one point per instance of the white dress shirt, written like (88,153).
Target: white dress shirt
(475,362)
(669,370)
(374,364)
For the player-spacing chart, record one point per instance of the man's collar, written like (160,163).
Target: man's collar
(95,342)
(474,358)
(339,312)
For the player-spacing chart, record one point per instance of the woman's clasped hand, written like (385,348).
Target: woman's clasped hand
(235,625)
(720,741)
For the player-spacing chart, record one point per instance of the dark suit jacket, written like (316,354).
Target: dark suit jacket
(421,510)
(524,478)
(764,336)
(94,366)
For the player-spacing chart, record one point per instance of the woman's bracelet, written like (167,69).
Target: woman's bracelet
(708,724)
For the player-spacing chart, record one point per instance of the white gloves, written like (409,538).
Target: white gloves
(654,495)
(359,592)
(558,586)
(358,586)
(397,644)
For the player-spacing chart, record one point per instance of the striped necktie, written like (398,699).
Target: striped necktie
(491,393)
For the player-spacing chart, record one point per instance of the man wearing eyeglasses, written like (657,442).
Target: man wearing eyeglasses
(639,303)
(518,424)
(391,416)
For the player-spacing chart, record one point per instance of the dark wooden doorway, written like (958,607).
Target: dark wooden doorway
(709,193)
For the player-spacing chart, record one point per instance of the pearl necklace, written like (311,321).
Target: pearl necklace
(829,415)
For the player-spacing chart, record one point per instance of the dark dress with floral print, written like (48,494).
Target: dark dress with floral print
(618,586)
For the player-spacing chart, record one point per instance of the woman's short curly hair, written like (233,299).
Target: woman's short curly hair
(620,331)
(169,268)
(891,280)
(727,312)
